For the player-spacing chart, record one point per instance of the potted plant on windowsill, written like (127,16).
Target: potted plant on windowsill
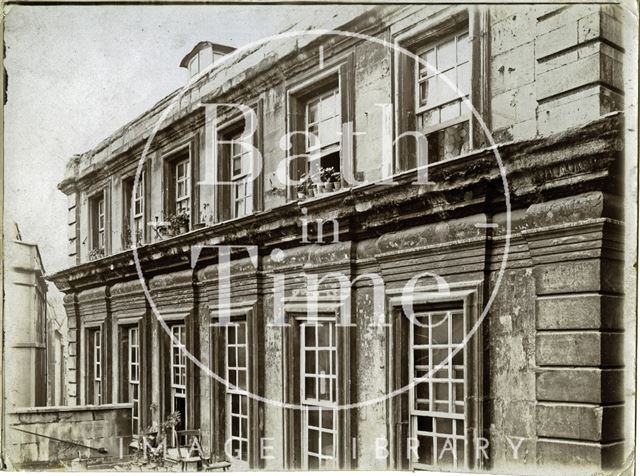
(162,229)
(335,179)
(96,253)
(325,173)
(180,222)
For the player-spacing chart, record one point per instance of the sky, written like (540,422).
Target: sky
(78,73)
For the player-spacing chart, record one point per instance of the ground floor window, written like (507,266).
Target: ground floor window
(133,371)
(94,367)
(437,399)
(318,355)
(237,401)
(178,382)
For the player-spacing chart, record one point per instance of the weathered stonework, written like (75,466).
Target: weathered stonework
(547,357)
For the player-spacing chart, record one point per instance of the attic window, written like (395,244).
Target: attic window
(203,55)
(200,61)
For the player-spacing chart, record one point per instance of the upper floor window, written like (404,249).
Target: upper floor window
(183,185)
(202,56)
(178,190)
(200,61)
(323,123)
(438,103)
(241,178)
(318,112)
(134,202)
(100,222)
(239,186)
(98,235)
(435,86)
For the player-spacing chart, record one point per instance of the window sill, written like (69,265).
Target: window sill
(323,195)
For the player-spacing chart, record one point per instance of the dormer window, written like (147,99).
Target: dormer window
(200,61)
(203,55)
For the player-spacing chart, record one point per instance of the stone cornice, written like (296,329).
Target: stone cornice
(242,75)
(585,239)
(462,187)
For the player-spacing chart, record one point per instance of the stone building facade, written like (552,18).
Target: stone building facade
(534,276)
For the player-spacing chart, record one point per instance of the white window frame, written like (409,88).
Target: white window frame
(138,206)
(96,349)
(422,74)
(183,180)
(320,99)
(465,297)
(235,390)
(101,222)
(241,201)
(133,371)
(315,404)
(178,371)
(433,378)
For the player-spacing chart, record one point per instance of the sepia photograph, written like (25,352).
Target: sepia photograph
(312,236)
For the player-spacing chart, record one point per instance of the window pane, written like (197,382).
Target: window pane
(464,78)
(312,112)
(314,462)
(428,91)
(314,441)
(242,379)
(239,190)
(314,417)
(421,391)
(328,107)
(324,334)
(324,388)
(428,58)
(439,329)
(313,137)
(310,388)
(446,55)
(310,362)
(327,419)
(237,165)
(327,444)
(447,86)
(324,359)
(309,335)
(457,328)
(463,48)
(450,111)
(323,120)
